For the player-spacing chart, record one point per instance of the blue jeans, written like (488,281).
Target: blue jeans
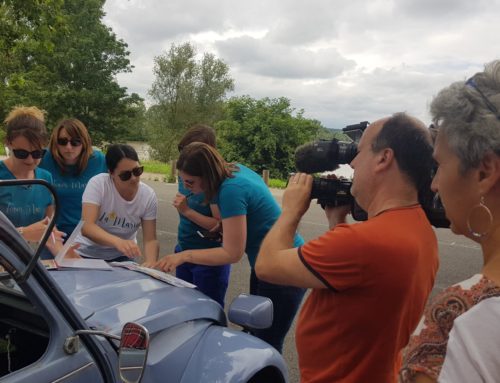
(46,254)
(122,258)
(210,280)
(286,302)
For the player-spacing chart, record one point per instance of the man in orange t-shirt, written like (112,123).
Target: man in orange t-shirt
(370,280)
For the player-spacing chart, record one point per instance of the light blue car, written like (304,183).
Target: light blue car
(92,326)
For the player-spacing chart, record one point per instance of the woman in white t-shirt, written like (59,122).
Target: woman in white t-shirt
(114,206)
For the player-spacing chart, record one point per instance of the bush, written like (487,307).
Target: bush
(2,139)
(277,183)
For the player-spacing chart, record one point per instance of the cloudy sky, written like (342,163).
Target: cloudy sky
(342,61)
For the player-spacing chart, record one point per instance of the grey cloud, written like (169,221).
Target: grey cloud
(443,9)
(261,57)
(305,22)
(369,95)
(159,22)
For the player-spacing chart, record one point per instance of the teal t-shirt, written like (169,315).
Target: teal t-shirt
(24,205)
(187,235)
(247,194)
(70,186)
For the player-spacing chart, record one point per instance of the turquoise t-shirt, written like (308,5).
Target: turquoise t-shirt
(70,186)
(187,235)
(24,205)
(247,194)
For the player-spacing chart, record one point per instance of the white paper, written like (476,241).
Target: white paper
(77,263)
(62,252)
(157,274)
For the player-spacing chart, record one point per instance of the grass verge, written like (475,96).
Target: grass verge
(276,183)
(159,167)
(156,167)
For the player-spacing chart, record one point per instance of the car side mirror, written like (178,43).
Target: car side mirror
(251,311)
(134,346)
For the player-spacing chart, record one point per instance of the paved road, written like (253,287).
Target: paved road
(459,257)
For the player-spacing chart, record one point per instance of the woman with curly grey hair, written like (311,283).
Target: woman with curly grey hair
(457,339)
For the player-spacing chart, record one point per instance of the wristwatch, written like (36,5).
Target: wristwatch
(20,230)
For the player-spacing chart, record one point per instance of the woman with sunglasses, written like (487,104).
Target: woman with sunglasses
(248,210)
(114,206)
(72,162)
(28,207)
(460,325)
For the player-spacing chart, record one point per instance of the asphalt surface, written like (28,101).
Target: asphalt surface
(459,257)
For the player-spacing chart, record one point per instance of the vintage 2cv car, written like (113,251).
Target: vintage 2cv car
(91,326)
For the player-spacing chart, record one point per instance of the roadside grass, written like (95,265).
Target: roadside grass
(277,183)
(158,167)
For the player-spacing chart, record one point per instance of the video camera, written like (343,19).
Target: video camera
(324,155)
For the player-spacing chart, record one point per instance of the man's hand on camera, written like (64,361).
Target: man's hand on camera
(336,214)
(297,196)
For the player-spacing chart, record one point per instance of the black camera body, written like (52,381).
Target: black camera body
(325,155)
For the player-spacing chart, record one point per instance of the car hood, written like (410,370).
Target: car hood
(109,299)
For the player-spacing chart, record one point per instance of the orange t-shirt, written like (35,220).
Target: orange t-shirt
(379,274)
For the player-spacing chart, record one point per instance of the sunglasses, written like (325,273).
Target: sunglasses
(472,83)
(23,154)
(64,141)
(126,175)
(188,183)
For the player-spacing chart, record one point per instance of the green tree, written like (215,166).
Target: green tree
(61,57)
(185,91)
(263,134)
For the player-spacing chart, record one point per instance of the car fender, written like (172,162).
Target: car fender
(224,355)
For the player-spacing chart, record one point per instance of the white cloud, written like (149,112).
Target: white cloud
(342,62)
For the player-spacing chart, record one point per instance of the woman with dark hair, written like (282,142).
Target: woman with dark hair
(27,207)
(195,218)
(72,162)
(114,206)
(248,210)
(457,339)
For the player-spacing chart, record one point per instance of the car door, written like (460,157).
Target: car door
(35,329)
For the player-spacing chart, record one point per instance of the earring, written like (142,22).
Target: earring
(480,205)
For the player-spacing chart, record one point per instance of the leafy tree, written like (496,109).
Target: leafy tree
(263,134)
(134,128)
(185,91)
(162,146)
(329,134)
(62,58)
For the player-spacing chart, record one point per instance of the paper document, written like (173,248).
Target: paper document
(79,263)
(157,274)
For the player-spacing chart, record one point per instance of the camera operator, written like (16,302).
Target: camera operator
(371,279)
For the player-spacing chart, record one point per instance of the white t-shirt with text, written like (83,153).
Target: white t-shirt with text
(117,216)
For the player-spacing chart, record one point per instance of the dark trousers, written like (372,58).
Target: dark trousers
(286,302)
(46,254)
(210,280)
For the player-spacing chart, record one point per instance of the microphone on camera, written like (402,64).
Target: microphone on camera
(313,157)
(324,155)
